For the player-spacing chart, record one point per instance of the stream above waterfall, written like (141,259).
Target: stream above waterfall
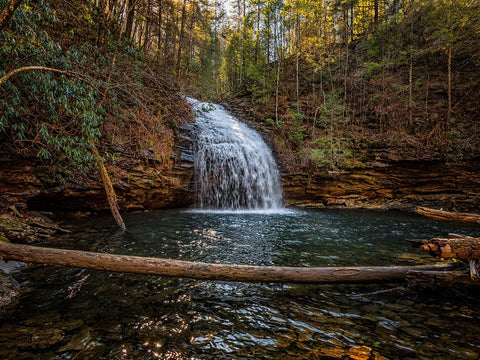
(84,314)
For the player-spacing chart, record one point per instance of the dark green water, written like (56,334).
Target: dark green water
(83,314)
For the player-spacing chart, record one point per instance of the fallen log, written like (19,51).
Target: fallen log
(447,215)
(458,248)
(206,271)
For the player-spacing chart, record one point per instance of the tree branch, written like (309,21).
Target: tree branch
(43,68)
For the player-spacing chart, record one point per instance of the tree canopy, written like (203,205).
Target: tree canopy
(333,79)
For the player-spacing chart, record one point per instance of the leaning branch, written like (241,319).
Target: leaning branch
(206,271)
(44,68)
(109,191)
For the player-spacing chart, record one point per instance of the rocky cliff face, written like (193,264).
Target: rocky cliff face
(393,185)
(140,183)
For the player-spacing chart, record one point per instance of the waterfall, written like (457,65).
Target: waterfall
(234,168)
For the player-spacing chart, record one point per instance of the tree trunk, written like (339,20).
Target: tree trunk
(130,15)
(458,248)
(159,29)
(110,192)
(297,60)
(277,80)
(205,271)
(410,94)
(180,39)
(448,215)
(8,11)
(449,85)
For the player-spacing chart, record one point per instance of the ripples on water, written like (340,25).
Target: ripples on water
(84,314)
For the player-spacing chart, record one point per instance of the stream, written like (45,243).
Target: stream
(85,314)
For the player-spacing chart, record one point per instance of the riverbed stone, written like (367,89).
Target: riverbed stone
(78,341)
(16,230)
(9,293)
(44,319)
(359,353)
(37,338)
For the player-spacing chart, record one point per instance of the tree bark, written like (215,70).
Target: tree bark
(458,248)
(130,15)
(109,191)
(8,11)
(43,68)
(182,32)
(449,84)
(410,94)
(206,271)
(375,13)
(448,215)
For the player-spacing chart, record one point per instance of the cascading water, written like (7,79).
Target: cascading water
(234,168)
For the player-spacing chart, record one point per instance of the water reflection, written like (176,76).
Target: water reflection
(122,316)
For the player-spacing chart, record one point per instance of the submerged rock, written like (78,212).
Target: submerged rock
(79,341)
(9,294)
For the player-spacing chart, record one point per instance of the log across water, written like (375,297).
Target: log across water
(448,215)
(206,271)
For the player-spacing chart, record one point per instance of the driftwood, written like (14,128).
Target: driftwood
(205,271)
(458,248)
(448,215)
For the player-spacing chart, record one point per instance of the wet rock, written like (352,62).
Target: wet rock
(16,230)
(359,353)
(72,324)
(285,340)
(414,332)
(377,356)
(305,335)
(79,341)
(9,294)
(44,319)
(26,229)
(18,182)
(332,352)
(34,338)
(337,202)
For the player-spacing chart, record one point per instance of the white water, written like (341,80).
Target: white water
(234,168)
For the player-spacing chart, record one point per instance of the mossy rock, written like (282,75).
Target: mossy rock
(16,230)
(9,293)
